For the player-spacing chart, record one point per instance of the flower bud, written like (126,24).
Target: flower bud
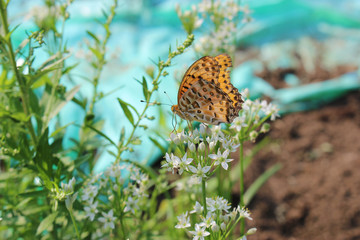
(253,135)
(265,128)
(201,147)
(251,231)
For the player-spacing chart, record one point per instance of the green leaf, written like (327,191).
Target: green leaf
(37,193)
(162,149)
(126,110)
(58,130)
(80,160)
(255,186)
(93,37)
(145,89)
(46,223)
(59,104)
(20,116)
(96,53)
(102,134)
(52,62)
(82,103)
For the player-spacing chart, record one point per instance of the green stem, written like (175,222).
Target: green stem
(122,226)
(22,84)
(204,195)
(241,159)
(74,223)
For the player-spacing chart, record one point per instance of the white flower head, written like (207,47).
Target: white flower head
(108,219)
(184,163)
(208,221)
(218,204)
(199,233)
(221,158)
(172,162)
(230,145)
(199,172)
(131,205)
(271,110)
(197,208)
(238,123)
(244,213)
(91,211)
(89,193)
(69,187)
(184,221)
(114,171)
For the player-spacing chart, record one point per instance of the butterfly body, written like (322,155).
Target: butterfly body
(206,94)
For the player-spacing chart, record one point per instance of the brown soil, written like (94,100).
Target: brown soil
(316,194)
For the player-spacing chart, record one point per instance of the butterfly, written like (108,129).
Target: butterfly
(206,94)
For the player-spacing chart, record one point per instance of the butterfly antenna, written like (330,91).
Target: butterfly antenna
(155,103)
(169,98)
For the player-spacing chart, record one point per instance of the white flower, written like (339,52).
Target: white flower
(108,219)
(271,109)
(131,205)
(197,208)
(89,193)
(114,170)
(69,187)
(184,163)
(219,203)
(244,213)
(91,210)
(172,162)
(200,172)
(208,221)
(199,232)
(184,221)
(247,105)
(238,123)
(216,131)
(230,145)
(221,158)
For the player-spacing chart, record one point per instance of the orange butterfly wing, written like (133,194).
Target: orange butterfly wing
(205,102)
(206,94)
(205,68)
(224,62)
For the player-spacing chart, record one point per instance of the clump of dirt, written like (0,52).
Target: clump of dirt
(316,194)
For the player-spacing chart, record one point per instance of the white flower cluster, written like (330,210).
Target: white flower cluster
(225,17)
(218,220)
(201,143)
(132,196)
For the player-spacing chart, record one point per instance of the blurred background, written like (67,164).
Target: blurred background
(301,55)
